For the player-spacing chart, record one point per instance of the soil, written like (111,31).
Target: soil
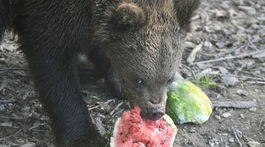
(229,36)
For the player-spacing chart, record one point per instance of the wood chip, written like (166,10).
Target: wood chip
(235,104)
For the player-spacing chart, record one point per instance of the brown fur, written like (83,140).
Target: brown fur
(152,52)
(135,44)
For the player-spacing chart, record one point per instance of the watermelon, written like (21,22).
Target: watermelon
(187,103)
(131,130)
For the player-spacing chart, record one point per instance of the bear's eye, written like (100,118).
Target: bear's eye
(140,82)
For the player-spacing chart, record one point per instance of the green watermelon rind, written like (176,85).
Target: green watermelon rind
(115,131)
(188,103)
(165,117)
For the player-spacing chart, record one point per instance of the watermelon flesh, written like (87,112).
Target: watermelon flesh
(131,130)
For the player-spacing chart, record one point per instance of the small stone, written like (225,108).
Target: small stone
(208,44)
(253,143)
(192,130)
(20,141)
(242,115)
(232,13)
(238,2)
(226,115)
(220,44)
(6,124)
(2,108)
(253,109)
(223,70)
(220,14)
(249,10)
(231,140)
(189,44)
(242,92)
(229,80)
(29,144)
(217,117)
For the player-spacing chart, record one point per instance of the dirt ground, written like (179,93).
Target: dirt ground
(227,43)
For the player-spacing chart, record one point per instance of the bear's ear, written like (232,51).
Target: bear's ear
(128,15)
(185,10)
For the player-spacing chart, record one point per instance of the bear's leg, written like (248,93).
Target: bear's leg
(52,60)
(57,82)
(104,69)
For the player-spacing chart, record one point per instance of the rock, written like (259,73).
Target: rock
(220,44)
(253,109)
(242,115)
(252,143)
(238,2)
(2,107)
(229,80)
(226,115)
(231,140)
(214,142)
(189,44)
(29,144)
(6,124)
(249,10)
(192,130)
(223,70)
(242,92)
(217,117)
(208,44)
(221,14)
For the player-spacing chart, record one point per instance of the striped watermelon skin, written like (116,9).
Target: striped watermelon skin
(188,103)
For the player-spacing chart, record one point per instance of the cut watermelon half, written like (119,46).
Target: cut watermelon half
(131,130)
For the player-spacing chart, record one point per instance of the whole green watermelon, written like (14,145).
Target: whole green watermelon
(187,103)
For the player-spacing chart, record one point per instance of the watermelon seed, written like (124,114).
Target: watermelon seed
(165,141)
(166,124)
(121,133)
(148,142)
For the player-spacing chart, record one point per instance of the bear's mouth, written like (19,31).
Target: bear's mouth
(150,113)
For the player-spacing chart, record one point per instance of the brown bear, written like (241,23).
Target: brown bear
(136,45)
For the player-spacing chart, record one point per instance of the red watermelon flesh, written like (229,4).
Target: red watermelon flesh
(134,131)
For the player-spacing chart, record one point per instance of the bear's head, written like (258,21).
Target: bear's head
(143,40)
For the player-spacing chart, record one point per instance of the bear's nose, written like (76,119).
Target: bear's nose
(155,114)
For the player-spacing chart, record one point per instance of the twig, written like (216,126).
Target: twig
(260,123)
(8,100)
(231,57)
(3,85)
(11,69)
(251,78)
(101,104)
(5,138)
(256,82)
(242,46)
(235,133)
(119,112)
(253,74)
(116,108)
(192,55)
(235,104)
(14,118)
